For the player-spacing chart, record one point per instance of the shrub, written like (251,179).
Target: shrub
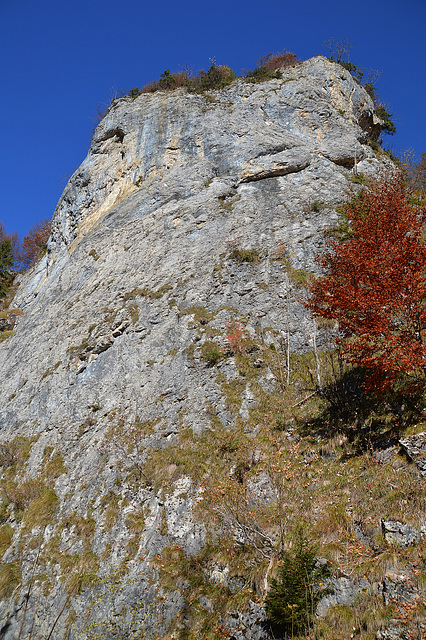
(134,93)
(10,577)
(234,337)
(388,126)
(6,263)
(211,353)
(371,90)
(9,454)
(22,495)
(21,255)
(261,74)
(245,255)
(281,254)
(299,277)
(216,77)
(15,452)
(6,535)
(129,439)
(6,334)
(353,70)
(338,49)
(270,65)
(166,80)
(415,175)
(316,206)
(274,61)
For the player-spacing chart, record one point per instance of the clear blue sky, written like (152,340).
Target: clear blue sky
(59,59)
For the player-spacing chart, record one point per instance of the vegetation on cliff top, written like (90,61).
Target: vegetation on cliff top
(218,75)
(338,49)
(268,67)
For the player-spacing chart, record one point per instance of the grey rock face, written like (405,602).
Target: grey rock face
(415,448)
(139,261)
(246,133)
(251,626)
(400,533)
(397,587)
(345,591)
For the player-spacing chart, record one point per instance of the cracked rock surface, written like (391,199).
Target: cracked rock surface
(140,258)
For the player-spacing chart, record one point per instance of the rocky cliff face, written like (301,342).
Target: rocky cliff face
(154,329)
(173,182)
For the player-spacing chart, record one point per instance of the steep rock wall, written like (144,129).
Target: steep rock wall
(145,265)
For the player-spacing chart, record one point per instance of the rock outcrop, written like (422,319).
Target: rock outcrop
(172,183)
(192,216)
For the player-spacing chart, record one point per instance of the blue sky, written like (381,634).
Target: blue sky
(59,60)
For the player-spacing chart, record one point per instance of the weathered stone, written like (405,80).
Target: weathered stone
(415,448)
(399,631)
(261,489)
(397,587)
(345,590)
(140,258)
(9,319)
(367,535)
(249,626)
(399,533)
(277,164)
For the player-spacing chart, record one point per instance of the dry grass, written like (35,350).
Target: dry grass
(10,578)
(311,465)
(318,473)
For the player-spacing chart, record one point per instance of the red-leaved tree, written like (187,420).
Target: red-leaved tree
(34,243)
(374,286)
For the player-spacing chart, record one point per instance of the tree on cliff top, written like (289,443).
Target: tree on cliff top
(374,286)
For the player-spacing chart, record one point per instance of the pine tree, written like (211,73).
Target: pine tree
(294,594)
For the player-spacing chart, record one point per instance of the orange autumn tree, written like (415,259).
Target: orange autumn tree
(374,286)
(34,244)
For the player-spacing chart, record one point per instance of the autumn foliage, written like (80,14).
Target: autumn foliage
(234,338)
(274,61)
(374,286)
(19,256)
(34,244)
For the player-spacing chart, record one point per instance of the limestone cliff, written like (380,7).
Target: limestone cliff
(154,334)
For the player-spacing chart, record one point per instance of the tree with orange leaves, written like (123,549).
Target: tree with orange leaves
(374,286)
(34,244)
